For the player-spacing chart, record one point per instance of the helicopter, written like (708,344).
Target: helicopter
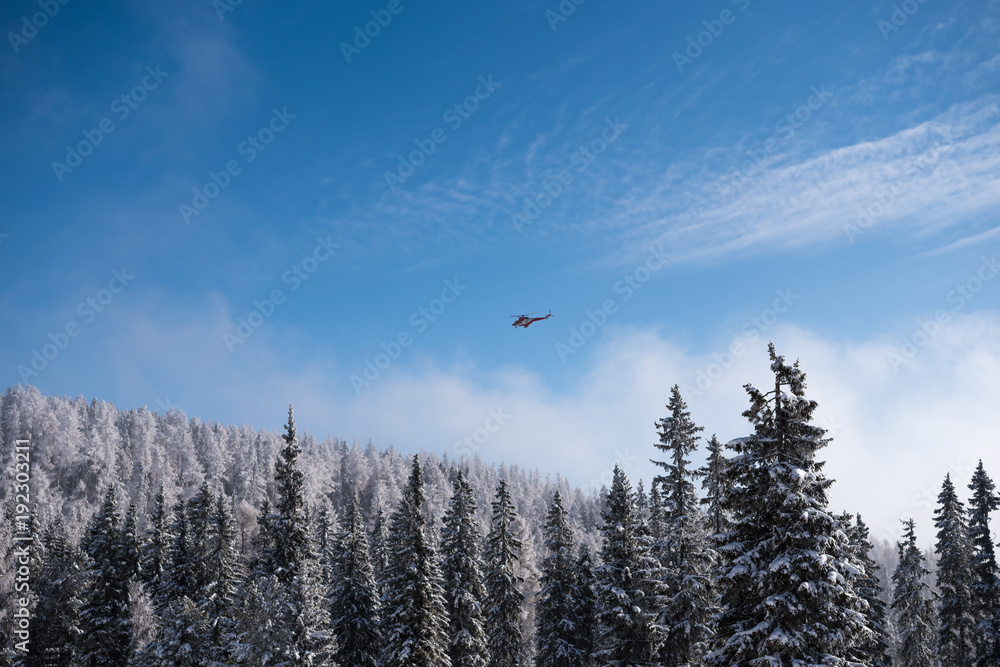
(525,320)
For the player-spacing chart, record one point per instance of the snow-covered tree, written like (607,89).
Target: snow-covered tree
(629,590)
(872,649)
(106,614)
(716,485)
(184,638)
(503,595)
(56,618)
(414,613)
(986,576)
(957,629)
(380,549)
(290,530)
(684,549)
(154,558)
(912,607)
(463,579)
(585,615)
(785,598)
(354,603)
(555,615)
(224,576)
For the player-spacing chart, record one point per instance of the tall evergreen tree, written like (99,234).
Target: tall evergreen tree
(716,485)
(629,590)
(106,612)
(56,619)
(183,640)
(463,580)
(957,630)
(224,576)
(986,576)
(912,606)
(503,595)
(154,558)
(785,597)
(873,648)
(684,550)
(414,615)
(354,603)
(380,549)
(585,615)
(181,577)
(555,615)
(289,525)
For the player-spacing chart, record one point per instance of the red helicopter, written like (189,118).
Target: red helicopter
(525,320)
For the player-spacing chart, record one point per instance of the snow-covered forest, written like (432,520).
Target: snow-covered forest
(155,539)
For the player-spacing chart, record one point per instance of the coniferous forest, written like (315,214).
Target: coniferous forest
(135,538)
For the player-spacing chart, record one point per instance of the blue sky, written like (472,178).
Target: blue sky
(695,169)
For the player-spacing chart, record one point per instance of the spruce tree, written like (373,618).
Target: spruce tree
(380,549)
(716,485)
(503,597)
(629,590)
(181,577)
(986,577)
(872,649)
(414,615)
(585,614)
(957,630)
(785,597)
(289,528)
(224,576)
(354,603)
(183,640)
(555,615)
(154,558)
(912,607)
(56,619)
(106,613)
(684,549)
(463,579)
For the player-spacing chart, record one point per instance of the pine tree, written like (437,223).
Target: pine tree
(986,576)
(585,615)
(872,649)
(289,526)
(154,558)
(56,618)
(716,484)
(957,630)
(684,550)
(463,580)
(293,558)
(106,614)
(184,638)
(181,576)
(503,597)
(380,550)
(557,634)
(912,606)
(785,597)
(414,615)
(354,603)
(224,576)
(629,590)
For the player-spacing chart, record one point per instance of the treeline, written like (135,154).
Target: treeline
(755,571)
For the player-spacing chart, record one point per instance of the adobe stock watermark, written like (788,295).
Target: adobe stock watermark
(926,330)
(23,540)
(563,11)
(88,310)
(470,444)
(899,17)
(596,319)
(889,194)
(714,28)
(362,38)
(455,116)
(749,332)
(419,322)
(249,149)
(784,130)
(294,276)
(31,25)
(223,7)
(581,159)
(122,107)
